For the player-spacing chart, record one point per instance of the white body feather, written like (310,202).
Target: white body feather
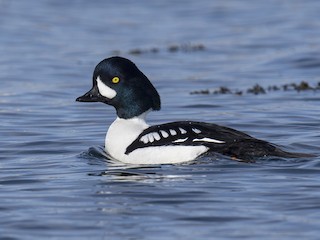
(122,132)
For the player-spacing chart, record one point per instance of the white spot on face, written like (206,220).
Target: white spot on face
(196,130)
(182,131)
(104,90)
(172,132)
(180,140)
(164,134)
(207,140)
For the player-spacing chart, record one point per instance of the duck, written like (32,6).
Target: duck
(118,82)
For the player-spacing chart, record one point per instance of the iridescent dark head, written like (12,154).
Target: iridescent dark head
(118,82)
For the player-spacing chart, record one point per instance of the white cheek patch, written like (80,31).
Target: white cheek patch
(105,90)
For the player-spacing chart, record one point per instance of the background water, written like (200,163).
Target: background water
(55,181)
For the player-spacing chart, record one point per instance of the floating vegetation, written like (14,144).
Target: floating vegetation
(171,48)
(186,48)
(258,89)
(138,51)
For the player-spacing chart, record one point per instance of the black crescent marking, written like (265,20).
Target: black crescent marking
(177,132)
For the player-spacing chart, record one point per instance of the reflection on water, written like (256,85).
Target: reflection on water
(57,181)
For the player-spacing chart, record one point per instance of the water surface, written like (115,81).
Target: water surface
(56,182)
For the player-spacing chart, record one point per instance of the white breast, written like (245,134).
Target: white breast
(122,132)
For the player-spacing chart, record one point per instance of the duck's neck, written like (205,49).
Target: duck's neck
(128,128)
(122,132)
(140,118)
(129,111)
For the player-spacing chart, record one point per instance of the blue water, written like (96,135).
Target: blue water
(56,182)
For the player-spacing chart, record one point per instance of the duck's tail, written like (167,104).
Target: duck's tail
(254,148)
(281,153)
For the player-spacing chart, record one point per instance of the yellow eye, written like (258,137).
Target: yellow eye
(115,79)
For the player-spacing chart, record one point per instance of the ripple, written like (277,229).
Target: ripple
(58,182)
(306,62)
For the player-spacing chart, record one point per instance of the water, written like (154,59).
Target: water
(55,181)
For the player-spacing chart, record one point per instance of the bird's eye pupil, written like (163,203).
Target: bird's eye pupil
(115,79)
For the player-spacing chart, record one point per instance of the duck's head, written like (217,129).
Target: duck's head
(118,82)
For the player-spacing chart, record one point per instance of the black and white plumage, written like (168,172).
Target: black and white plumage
(217,138)
(118,82)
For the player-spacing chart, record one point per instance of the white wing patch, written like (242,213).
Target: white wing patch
(182,131)
(156,136)
(207,140)
(160,134)
(104,90)
(150,137)
(197,131)
(164,134)
(180,140)
(144,139)
(172,132)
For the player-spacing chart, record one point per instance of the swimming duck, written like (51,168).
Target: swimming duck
(118,82)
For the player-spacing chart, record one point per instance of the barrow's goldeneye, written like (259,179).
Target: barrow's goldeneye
(118,82)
